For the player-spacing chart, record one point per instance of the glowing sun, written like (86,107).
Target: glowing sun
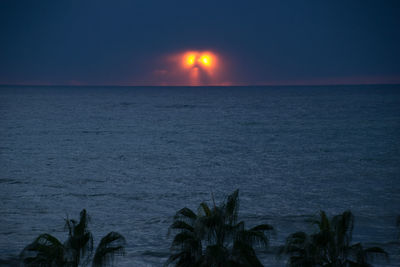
(195,59)
(193,68)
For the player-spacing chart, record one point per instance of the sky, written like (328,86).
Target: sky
(78,42)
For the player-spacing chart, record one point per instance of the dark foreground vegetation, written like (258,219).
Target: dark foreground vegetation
(330,245)
(212,237)
(77,250)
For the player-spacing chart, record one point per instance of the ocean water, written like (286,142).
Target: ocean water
(133,156)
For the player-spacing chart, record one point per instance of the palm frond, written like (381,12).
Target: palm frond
(181,259)
(295,244)
(82,227)
(204,209)
(323,223)
(79,245)
(343,228)
(181,225)
(253,237)
(376,250)
(111,245)
(187,249)
(262,227)
(185,239)
(244,255)
(367,254)
(185,212)
(45,250)
(232,206)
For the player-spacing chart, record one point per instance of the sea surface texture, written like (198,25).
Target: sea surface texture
(134,156)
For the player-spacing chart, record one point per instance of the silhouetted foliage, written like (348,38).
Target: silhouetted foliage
(398,225)
(330,245)
(48,251)
(44,251)
(79,245)
(213,237)
(111,245)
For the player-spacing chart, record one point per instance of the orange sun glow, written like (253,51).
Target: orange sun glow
(195,59)
(193,68)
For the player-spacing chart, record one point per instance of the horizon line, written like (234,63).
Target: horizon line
(210,85)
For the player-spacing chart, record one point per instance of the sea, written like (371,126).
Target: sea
(134,156)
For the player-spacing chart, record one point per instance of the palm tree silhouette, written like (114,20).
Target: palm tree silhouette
(398,225)
(213,237)
(47,251)
(79,245)
(330,246)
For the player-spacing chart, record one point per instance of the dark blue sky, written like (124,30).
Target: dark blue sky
(260,42)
